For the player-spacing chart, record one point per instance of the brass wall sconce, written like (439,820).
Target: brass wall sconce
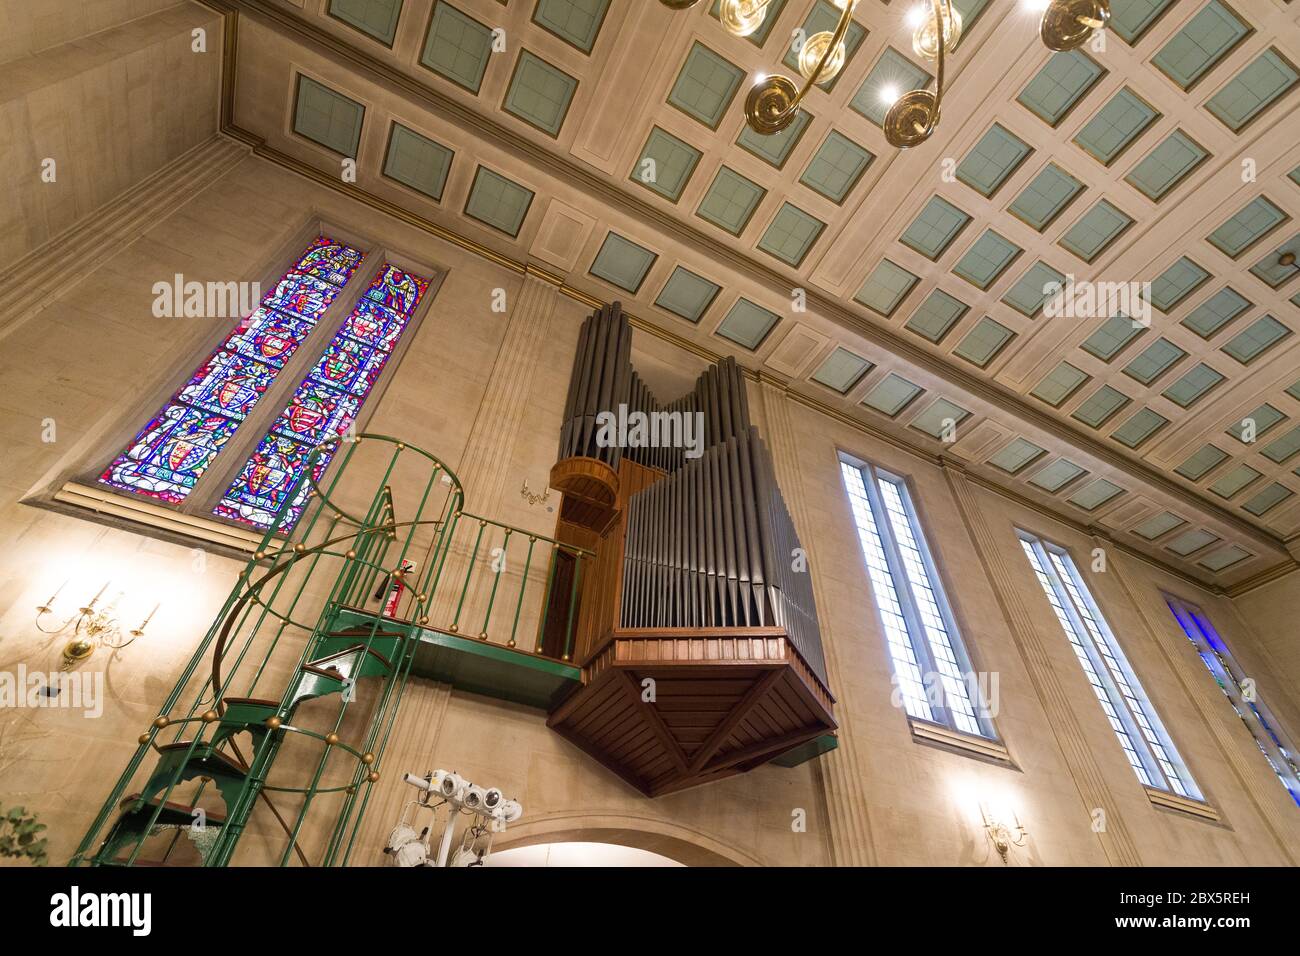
(92,627)
(1069,24)
(532,497)
(1002,835)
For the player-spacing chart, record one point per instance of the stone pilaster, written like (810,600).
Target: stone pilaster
(851,841)
(1116,840)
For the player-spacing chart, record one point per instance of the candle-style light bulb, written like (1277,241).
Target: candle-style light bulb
(49,602)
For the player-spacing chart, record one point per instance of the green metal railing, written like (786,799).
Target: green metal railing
(288,608)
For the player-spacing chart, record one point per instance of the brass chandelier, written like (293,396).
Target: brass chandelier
(773,102)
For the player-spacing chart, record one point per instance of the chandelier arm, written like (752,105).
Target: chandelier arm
(840,32)
(938,80)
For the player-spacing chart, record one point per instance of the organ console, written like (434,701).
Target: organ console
(697,629)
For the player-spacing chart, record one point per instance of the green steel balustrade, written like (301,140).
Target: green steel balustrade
(310,604)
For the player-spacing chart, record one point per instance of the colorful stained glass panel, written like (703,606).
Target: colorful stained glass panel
(325,404)
(172,452)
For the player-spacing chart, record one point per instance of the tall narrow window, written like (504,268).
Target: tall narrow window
(931,670)
(326,403)
(275,359)
(1275,746)
(172,451)
(1146,744)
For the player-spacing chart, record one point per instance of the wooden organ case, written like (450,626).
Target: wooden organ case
(695,625)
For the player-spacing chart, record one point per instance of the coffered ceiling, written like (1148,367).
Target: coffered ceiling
(605,141)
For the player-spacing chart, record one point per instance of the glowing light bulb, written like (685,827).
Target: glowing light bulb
(888,94)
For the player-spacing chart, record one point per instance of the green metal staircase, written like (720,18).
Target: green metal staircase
(347,663)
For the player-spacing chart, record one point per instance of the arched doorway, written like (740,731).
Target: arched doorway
(579,854)
(677,844)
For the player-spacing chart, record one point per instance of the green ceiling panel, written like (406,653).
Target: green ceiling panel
(1190,542)
(328,118)
(1132,19)
(540,94)
(1139,427)
(1111,338)
(1157,525)
(836,168)
(498,202)
(1166,166)
(1039,283)
(992,160)
(791,235)
(666,164)
(705,86)
(1193,386)
(1017,456)
(1216,312)
(1062,82)
(1059,384)
(825,16)
(983,343)
(1247,226)
(1101,406)
(1116,125)
(986,259)
(730,201)
(1253,90)
(1261,419)
(417,161)
(891,395)
(1235,481)
(376,18)
(747,324)
(1156,359)
(941,419)
(936,316)
(687,295)
(1095,494)
(1284,448)
(842,370)
(1057,475)
(893,75)
(458,47)
(776,148)
(935,228)
(1202,463)
(1176,283)
(1222,560)
(1095,230)
(1271,271)
(1043,199)
(623,263)
(574,21)
(1267,500)
(1254,341)
(886,288)
(1206,39)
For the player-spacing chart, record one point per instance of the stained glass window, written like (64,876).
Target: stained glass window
(325,404)
(177,446)
(1241,693)
(1146,745)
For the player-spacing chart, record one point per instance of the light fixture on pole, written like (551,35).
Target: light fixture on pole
(1069,24)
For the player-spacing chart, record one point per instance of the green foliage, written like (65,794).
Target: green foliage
(18,836)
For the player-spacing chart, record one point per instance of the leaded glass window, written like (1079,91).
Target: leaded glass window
(172,459)
(1142,737)
(1277,749)
(932,674)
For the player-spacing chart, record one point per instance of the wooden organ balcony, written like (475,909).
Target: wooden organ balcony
(696,629)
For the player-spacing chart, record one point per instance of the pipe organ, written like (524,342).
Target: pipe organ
(697,630)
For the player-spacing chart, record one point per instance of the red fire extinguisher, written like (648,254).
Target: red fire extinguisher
(395,587)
